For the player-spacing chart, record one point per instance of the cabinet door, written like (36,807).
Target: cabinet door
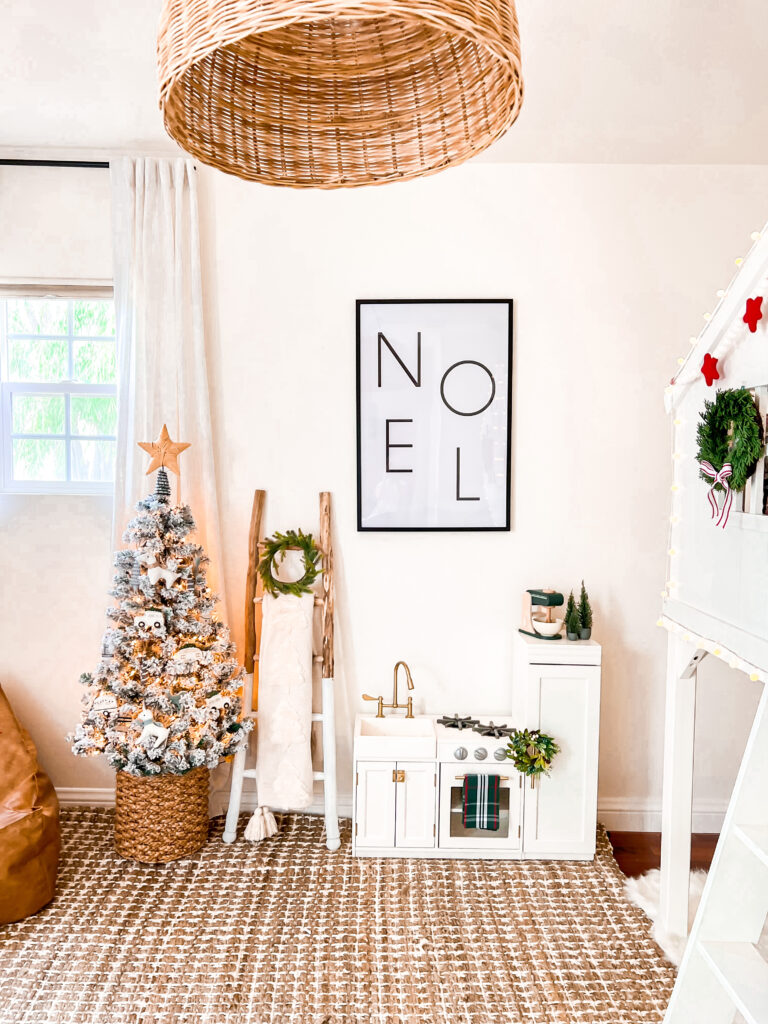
(375,804)
(560,811)
(415,804)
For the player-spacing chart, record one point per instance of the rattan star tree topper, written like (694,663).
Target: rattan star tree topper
(166,696)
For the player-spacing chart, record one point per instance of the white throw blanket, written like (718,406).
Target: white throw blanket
(284,759)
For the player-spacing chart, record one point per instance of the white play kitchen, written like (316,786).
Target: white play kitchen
(443,786)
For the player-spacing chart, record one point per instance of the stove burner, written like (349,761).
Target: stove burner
(491,729)
(458,723)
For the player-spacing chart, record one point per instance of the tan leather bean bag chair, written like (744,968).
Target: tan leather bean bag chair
(29,823)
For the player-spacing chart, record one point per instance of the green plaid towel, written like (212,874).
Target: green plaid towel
(481,802)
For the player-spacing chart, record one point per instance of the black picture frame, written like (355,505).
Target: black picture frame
(506,526)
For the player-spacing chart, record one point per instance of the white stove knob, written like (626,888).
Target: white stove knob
(500,753)
(480,754)
(460,753)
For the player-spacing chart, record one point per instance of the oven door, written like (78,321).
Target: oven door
(453,835)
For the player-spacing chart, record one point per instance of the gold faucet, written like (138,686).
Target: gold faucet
(380,700)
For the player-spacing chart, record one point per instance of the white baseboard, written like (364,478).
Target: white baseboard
(75,796)
(625,814)
(621,813)
(82,796)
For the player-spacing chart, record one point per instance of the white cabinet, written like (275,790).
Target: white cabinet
(395,805)
(375,804)
(558,691)
(415,804)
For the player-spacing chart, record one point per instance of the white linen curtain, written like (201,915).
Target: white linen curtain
(162,373)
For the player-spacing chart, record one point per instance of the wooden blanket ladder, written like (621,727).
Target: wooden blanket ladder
(324,602)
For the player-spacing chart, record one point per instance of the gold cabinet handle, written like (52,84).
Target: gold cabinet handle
(398,776)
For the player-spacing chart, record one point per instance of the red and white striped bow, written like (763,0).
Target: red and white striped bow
(719,477)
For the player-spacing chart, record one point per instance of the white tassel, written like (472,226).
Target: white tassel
(261,826)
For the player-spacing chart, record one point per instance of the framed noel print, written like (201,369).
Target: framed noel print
(434,414)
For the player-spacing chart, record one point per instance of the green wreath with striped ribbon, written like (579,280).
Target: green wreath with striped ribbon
(730,431)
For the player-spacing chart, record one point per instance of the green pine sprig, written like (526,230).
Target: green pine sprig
(532,752)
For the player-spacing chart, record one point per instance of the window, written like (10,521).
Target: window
(58,362)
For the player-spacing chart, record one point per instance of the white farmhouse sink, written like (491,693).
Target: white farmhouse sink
(395,737)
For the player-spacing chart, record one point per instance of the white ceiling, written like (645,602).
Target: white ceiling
(659,81)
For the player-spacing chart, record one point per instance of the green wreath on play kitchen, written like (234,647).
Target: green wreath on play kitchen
(730,441)
(277,546)
(532,752)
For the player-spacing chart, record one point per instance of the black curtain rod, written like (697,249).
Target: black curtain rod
(54,163)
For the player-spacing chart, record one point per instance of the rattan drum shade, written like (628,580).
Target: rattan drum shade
(313,93)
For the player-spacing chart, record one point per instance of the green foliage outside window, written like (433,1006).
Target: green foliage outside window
(52,341)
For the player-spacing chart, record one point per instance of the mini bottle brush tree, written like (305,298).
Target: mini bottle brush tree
(572,617)
(166,695)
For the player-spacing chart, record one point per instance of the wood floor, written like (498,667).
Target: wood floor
(638,852)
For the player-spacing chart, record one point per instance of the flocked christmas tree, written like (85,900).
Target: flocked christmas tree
(166,695)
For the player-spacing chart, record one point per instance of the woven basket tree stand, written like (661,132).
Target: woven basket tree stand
(161,819)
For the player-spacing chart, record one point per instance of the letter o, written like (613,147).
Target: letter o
(464,362)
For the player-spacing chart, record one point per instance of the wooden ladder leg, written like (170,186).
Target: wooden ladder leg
(249,662)
(332,840)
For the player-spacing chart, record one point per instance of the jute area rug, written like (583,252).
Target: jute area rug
(284,932)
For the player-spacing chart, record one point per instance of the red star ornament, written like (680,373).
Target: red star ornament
(709,369)
(753,313)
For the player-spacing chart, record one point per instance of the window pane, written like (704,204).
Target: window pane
(93,414)
(94,362)
(39,460)
(37,316)
(94,318)
(93,461)
(38,414)
(37,361)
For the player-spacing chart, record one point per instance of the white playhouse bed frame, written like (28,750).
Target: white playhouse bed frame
(716,604)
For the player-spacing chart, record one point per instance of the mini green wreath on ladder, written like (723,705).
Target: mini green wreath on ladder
(278,545)
(532,752)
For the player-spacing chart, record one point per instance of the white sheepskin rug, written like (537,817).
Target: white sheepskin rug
(644,893)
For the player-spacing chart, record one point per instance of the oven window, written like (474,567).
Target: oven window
(457,808)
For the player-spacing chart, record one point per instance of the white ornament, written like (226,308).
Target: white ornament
(167,575)
(153,735)
(105,703)
(189,656)
(150,621)
(148,557)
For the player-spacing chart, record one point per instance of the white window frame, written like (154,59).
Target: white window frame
(67,387)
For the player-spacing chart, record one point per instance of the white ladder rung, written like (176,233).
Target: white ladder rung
(743,974)
(249,773)
(755,838)
(259,600)
(318,775)
(317,658)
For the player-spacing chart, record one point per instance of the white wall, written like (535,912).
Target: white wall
(54,549)
(610,269)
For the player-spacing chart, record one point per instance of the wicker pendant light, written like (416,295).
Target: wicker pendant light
(328,94)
